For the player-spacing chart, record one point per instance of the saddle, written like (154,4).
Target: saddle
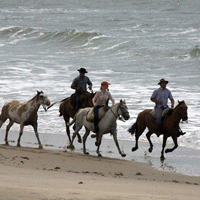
(73,101)
(90,114)
(153,113)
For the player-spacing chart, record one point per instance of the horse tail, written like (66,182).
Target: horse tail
(133,128)
(60,113)
(61,109)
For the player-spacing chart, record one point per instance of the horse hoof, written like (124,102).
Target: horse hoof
(40,147)
(93,136)
(123,155)
(134,148)
(71,147)
(79,140)
(162,158)
(99,155)
(86,153)
(150,150)
(167,151)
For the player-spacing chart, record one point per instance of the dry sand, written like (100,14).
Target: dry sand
(28,173)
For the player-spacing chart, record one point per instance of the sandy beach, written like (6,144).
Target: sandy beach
(29,173)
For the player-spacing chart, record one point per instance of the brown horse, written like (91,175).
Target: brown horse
(169,127)
(23,114)
(67,110)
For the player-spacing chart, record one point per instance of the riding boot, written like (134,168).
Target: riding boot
(180,132)
(96,119)
(96,127)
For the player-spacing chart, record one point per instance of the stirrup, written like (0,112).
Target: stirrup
(93,136)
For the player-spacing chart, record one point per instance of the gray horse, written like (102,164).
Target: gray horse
(106,125)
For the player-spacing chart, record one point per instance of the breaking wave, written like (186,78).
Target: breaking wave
(195,52)
(18,34)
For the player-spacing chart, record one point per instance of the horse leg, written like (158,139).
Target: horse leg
(148,135)
(117,144)
(71,146)
(66,118)
(2,121)
(4,115)
(162,158)
(78,135)
(137,135)
(37,135)
(20,134)
(175,145)
(87,132)
(99,143)
(7,130)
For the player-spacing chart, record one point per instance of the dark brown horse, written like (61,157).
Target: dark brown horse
(68,111)
(169,128)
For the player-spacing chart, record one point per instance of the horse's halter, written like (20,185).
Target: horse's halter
(185,117)
(119,117)
(43,104)
(124,112)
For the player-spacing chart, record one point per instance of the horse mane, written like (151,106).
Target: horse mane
(169,113)
(38,94)
(180,102)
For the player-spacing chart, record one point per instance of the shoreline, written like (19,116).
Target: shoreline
(52,160)
(29,173)
(182,160)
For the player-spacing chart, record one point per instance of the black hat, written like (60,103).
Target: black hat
(82,70)
(163,80)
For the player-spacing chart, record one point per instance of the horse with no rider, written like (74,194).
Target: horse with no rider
(23,114)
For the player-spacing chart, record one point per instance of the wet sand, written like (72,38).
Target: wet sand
(28,173)
(57,173)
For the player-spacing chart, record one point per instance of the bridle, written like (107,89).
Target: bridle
(119,117)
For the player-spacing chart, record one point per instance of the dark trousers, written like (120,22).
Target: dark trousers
(96,118)
(77,97)
(159,111)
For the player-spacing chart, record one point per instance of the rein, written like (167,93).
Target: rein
(61,101)
(120,118)
(56,102)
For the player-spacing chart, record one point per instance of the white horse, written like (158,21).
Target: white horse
(106,125)
(23,114)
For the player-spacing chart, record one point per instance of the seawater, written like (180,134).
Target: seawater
(131,44)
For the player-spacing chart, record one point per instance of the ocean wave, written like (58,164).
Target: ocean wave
(195,52)
(17,34)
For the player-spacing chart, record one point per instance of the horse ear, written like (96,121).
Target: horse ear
(120,100)
(178,101)
(38,93)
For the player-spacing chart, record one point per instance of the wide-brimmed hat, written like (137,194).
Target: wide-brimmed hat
(105,83)
(163,80)
(82,70)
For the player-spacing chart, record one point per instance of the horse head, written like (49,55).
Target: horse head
(182,110)
(123,110)
(42,99)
